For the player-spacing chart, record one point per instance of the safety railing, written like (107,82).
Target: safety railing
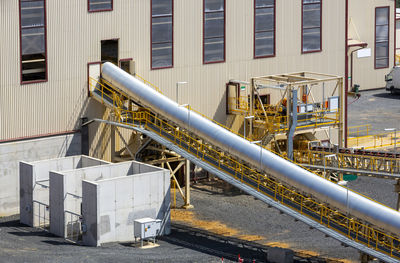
(347,160)
(380,140)
(360,130)
(304,120)
(41,216)
(319,212)
(148,83)
(238,104)
(72,226)
(125,114)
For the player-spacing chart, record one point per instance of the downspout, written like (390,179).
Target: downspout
(351,66)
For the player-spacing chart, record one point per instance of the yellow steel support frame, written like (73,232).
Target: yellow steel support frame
(319,212)
(353,161)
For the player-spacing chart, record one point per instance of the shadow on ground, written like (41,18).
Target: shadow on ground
(387,95)
(217,187)
(221,246)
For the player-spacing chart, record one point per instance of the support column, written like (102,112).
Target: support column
(397,190)
(292,114)
(187,204)
(112,146)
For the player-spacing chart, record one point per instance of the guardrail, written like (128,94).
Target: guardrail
(41,215)
(375,141)
(347,160)
(72,226)
(319,212)
(360,130)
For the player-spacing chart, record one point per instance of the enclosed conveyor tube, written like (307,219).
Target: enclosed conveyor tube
(283,170)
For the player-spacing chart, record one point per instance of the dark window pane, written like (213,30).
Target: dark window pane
(214,5)
(264,19)
(161,55)
(311,39)
(33,41)
(214,49)
(264,3)
(382,33)
(32,14)
(264,44)
(162,29)
(214,25)
(162,33)
(214,31)
(311,26)
(98,5)
(382,37)
(382,16)
(312,16)
(311,1)
(161,7)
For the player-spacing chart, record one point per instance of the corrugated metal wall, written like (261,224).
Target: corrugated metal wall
(74,35)
(365,73)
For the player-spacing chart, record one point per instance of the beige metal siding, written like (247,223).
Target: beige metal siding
(74,35)
(365,73)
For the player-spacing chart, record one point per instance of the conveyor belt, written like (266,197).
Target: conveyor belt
(332,222)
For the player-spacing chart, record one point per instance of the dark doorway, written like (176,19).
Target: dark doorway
(109,51)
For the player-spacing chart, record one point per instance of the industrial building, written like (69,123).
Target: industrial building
(247,64)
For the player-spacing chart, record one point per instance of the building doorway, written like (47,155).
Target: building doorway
(109,51)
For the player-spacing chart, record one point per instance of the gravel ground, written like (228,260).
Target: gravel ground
(19,243)
(376,107)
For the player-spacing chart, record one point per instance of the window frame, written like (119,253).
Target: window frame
(45,45)
(122,60)
(204,22)
(151,37)
(100,10)
(388,38)
(302,28)
(254,33)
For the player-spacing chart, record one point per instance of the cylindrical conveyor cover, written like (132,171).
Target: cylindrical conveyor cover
(288,172)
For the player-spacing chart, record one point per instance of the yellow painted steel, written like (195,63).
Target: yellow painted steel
(348,160)
(275,122)
(360,129)
(375,141)
(319,212)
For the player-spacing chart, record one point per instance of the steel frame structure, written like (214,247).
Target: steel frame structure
(334,223)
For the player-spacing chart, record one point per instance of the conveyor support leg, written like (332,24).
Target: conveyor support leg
(187,204)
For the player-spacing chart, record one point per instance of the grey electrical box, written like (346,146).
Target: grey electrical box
(146,228)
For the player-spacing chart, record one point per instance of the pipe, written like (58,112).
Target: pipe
(285,171)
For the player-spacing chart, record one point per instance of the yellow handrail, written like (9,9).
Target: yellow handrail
(349,227)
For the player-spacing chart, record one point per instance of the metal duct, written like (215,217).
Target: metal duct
(323,190)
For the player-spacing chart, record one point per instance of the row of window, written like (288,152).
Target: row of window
(33,32)
(214,30)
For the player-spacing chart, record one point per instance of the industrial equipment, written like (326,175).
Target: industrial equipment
(224,153)
(146,228)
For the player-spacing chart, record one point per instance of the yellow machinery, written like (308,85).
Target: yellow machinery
(266,103)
